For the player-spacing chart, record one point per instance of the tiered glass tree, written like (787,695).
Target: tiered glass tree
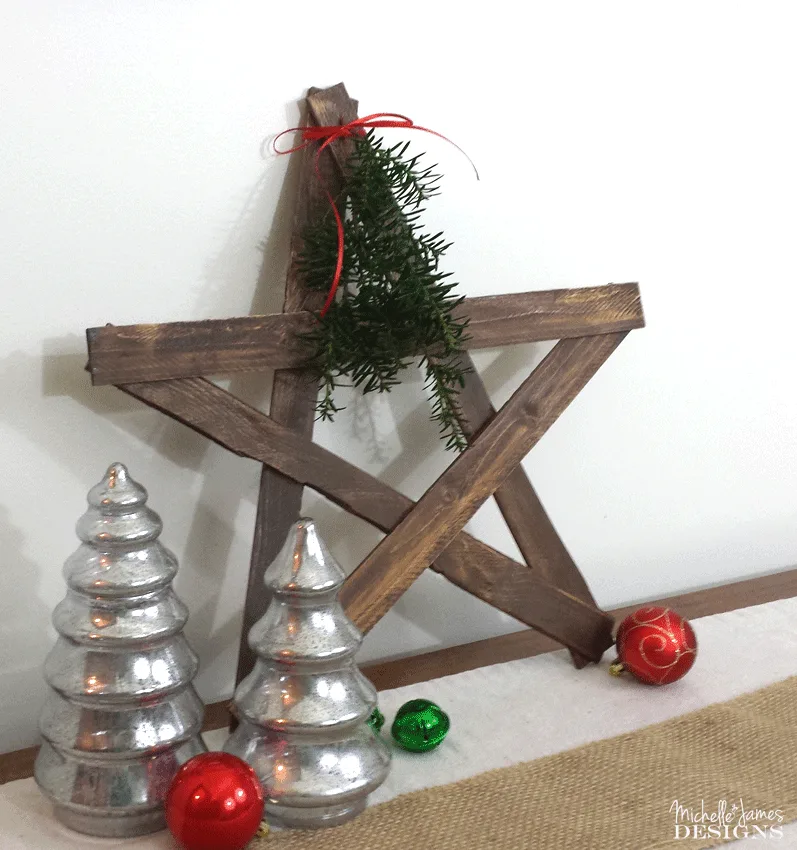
(304,709)
(122,715)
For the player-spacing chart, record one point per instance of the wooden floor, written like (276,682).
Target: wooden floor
(524,644)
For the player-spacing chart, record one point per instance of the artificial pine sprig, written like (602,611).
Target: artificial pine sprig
(394,303)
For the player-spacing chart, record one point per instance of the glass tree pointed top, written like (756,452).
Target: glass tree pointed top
(118,515)
(117,491)
(304,566)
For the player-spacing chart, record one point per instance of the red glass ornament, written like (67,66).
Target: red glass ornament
(215,802)
(656,645)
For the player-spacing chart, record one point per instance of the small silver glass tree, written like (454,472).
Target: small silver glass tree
(304,709)
(122,715)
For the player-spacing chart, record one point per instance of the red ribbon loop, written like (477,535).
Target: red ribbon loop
(327,135)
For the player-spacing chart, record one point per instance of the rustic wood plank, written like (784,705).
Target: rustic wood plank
(294,392)
(467,562)
(523,512)
(501,320)
(122,354)
(136,353)
(217,715)
(442,512)
(17,764)
(518,591)
(425,666)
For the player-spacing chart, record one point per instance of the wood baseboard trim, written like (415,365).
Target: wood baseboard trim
(415,669)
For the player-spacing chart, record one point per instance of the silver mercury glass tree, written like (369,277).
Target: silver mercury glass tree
(304,709)
(122,715)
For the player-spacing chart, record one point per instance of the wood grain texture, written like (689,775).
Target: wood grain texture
(442,512)
(521,508)
(467,562)
(121,354)
(423,667)
(294,391)
(501,320)
(17,764)
(516,590)
(135,353)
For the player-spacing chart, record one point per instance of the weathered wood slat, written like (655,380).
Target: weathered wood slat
(294,392)
(442,512)
(135,353)
(467,562)
(124,354)
(500,320)
(523,512)
(516,590)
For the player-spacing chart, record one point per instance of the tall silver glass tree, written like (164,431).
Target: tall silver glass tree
(122,715)
(305,706)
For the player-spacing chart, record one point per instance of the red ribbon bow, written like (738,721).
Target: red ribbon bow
(357,127)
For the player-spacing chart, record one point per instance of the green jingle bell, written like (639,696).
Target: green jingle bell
(420,725)
(376,721)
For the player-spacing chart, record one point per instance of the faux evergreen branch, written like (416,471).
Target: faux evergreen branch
(393,301)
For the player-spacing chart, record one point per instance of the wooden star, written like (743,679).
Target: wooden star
(165,366)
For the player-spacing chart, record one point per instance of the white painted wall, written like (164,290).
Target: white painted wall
(616,141)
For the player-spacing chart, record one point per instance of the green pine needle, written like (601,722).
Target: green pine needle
(393,302)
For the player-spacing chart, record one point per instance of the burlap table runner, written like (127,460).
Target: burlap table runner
(642,790)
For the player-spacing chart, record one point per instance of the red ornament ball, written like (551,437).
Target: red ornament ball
(215,802)
(656,645)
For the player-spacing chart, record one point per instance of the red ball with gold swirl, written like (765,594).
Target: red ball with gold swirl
(655,645)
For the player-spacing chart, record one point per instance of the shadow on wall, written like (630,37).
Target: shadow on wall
(63,376)
(212,520)
(449,614)
(23,685)
(425,451)
(48,387)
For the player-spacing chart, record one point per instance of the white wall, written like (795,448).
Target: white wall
(616,141)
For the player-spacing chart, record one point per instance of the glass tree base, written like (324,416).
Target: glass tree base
(112,826)
(295,817)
